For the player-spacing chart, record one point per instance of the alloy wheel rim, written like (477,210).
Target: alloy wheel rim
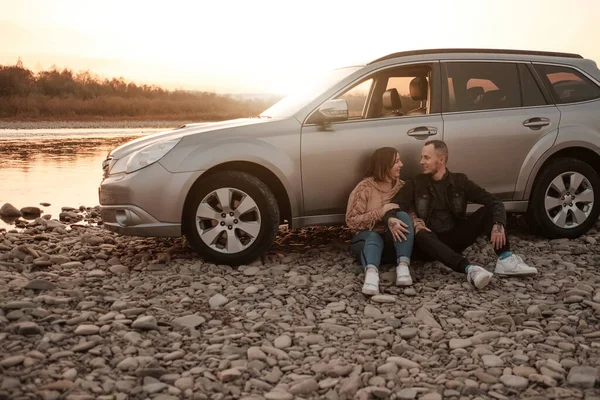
(228,220)
(569,200)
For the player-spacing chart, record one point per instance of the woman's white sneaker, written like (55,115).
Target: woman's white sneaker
(514,265)
(403,277)
(478,276)
(371,285)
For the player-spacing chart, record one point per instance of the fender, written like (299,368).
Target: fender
(263,151)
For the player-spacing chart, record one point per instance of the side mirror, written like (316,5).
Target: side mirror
(333,111)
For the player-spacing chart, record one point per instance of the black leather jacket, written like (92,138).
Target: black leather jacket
(418,195)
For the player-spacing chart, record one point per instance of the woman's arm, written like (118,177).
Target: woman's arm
(357,216)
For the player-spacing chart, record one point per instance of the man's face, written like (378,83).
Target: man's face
(431,160)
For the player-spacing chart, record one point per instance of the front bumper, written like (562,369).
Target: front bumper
(147,202)
(133,221)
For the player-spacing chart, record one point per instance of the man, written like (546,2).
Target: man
(439,197)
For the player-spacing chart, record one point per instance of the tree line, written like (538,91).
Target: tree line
(62,93)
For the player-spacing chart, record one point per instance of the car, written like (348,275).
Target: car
(525,125)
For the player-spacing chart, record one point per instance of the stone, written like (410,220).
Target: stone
(350,386)
(251,271)
(543,380)
(425,316)
(304,387)
(87,330)
(40,284)
(217,301)
(9,211)
(119,269)
(12,361)
(299,281)
(491,361)
(31,211)
(408,333)
(145,323)
(184,383)
(583,377)
(406,394)
(188,321)
(383,298)
(459,343)
(282,342)
(514,381)
(229,375)
(29,328)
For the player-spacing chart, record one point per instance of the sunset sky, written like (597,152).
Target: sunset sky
(241,46)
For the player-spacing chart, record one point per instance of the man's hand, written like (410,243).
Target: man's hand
(398,229)
(420,226)
(498,237)
(389,207)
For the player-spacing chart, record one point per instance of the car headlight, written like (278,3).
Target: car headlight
(144,157)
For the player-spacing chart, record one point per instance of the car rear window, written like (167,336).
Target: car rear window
(481,86)
(568,85)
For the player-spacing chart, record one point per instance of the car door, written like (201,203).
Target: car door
(335,156)
(494,114)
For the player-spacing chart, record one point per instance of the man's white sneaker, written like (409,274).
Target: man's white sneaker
(403,277)
(514,265)
(478,276)
(371,285)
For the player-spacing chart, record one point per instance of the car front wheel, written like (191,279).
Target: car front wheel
(564,199)
(231,218)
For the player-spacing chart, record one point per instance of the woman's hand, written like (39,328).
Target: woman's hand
(397,229)
(389,207)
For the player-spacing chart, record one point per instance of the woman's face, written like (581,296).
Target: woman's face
(395,168)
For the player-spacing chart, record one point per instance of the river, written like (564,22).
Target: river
(62,167)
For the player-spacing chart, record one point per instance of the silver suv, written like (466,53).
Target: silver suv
(523,124)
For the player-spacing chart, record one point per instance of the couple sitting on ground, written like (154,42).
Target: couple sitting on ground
(429,211)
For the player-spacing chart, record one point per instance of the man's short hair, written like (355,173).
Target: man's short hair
(440,146)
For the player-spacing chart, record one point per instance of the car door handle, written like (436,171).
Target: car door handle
(422,131)
(536,123)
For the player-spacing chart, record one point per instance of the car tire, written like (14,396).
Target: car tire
(231,218)
(555,211)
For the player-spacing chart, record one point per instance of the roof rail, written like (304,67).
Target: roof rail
(492,51)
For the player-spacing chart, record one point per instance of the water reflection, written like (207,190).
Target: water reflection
(60,168)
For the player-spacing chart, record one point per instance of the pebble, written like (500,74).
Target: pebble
(514,381)
(217,300)
(283,342)
(147,322)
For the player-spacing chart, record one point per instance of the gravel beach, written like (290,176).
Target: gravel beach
(88,314)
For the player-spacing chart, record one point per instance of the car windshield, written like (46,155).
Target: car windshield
(293,102)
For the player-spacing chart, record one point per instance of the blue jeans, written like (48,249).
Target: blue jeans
(368,247)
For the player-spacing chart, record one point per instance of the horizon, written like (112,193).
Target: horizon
(259,47)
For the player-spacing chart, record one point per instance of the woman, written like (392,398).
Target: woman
(368,203)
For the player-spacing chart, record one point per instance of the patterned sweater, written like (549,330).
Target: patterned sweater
(364,206)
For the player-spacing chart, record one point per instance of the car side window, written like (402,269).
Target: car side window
(481,86)
(567,85)
(531,93)
(356,98)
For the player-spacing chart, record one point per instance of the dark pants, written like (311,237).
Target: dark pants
(447,246)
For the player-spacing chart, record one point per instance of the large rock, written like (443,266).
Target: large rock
(583,377)
(9,211)
(31,211)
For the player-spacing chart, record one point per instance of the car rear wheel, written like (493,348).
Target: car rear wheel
(231,218)
(564,201)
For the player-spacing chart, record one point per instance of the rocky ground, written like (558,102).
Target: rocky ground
(87,314)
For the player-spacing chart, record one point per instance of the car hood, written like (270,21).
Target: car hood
(185,130)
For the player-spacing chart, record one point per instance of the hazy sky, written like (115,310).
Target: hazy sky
(273,46)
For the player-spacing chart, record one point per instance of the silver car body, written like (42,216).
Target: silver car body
(312,169)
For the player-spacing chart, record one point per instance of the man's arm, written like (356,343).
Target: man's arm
(478,195)
(404,198)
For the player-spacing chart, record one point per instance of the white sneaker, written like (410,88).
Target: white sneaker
(371,285)
(514,265)
(403,277)
(478,276)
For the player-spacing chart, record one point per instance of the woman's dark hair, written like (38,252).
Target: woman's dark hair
(380,163)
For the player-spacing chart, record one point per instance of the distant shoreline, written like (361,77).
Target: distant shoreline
(94,124)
